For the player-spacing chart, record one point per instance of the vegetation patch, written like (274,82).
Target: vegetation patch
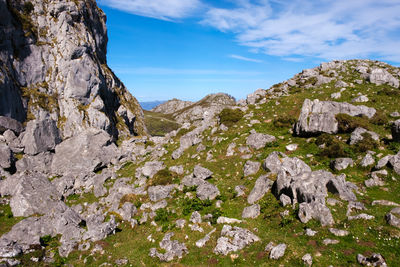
(163,177)
(229,116)
(347,123)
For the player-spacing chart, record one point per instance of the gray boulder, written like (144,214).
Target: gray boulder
(261,187)
(40,136)
(357,135)
(256,96)
(251,168)
(342,163)
(159,192)
(317,211)
(375,260)
(6,156)
(173,249)
(86,152)
(150,168)
(319,116)
(251,211)
(201,172)
(258,140)
(393,220)
(207,191)
(277,252)
(172,106)
(396,131)
(9,248)
(233,239)
(40,163)
(276,161)
(368,160)
(7,123)
(380,76)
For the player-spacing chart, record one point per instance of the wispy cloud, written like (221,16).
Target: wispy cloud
(245,58)
(159,9)
(186,72)
(329,29)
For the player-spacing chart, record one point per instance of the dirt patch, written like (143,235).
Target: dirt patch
(261,255)
(369,244)
(348,252)
(312,243)
(212,261)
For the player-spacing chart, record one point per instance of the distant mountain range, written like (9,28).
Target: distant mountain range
(151,104)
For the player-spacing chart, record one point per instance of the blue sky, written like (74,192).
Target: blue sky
(186,49)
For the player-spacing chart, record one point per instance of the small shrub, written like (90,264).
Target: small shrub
(348,124)
(135,199)
(379,118)
(334,148)
(195,204)
(368,143)
(28,7)
(229,117)
(284,121)
(389,92)
(162,215)
(163,177)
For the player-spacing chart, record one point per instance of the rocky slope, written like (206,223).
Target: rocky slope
(308,175)
(172,106)
(54,73)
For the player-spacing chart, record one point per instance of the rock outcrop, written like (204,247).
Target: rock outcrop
(319,116)
(172,106)
(54,69)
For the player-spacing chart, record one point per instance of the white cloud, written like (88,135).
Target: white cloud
(159,9)
(328,29)
(245,58)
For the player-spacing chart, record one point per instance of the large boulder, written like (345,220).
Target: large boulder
(380,76)
(6,156)
(86,152)
(259,140)
(40,136)
(319,116)
(233,239)
(7,123)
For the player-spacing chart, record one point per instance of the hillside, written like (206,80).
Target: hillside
(307,172)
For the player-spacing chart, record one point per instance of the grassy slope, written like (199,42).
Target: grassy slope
(365,236)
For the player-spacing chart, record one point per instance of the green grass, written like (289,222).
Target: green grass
(159,124)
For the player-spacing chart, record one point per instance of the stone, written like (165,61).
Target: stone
(340,164)
(368,160)
(384,203)
(201,172)
(7,123)
(360,99)
(160,192)
(9,248)
(173,249)
(256,96)
(383,162)
(328,241)
(314,210)
(150,168)
(127,211)
(40,136)
(230,151)
(292,147)
(202,242)
(276,162)
(392,220)
(396,131)
(251,168)
(310,232)
(319,116)
(207,190)
(252,211)
(381,76)
(285,200)
(240,190)
(338,232)
(86,152)
(357,135)
(336,95)
(307,259)
(258,140)
(195,217)
(261,187)
(277,252)
(233,239)
(180,223)
(395,114)
(375,260)
(6,156)
(225,220)
(177,169)
(361,216)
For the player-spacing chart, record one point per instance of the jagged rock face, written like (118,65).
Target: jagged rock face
(54,65)
(172,106)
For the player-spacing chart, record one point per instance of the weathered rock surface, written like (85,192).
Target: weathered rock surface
(262,186)
(172,106)
(251,168)
(86,152)
(173,249)
(252,211)
(341,163)
(159,192)
(6,156)
(357,135)
(259,140)
(58,66)
(319,116)
(375,260)
(277,252)
(256,96)
(380,76)
(233,239)
(7,123)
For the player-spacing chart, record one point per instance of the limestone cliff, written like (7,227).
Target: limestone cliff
(53,68)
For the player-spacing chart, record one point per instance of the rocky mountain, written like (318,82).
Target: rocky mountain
(54,76)
(171,106)
(304,173)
